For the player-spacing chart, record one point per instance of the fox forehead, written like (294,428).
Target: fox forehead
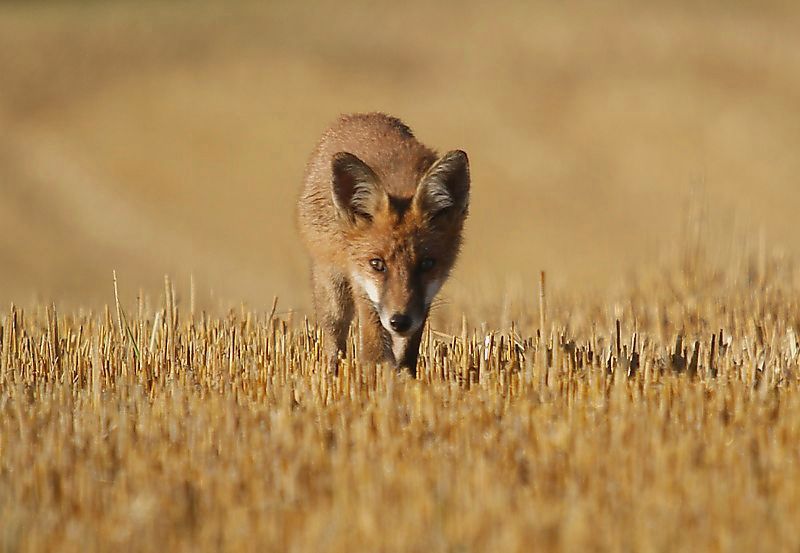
(397,235)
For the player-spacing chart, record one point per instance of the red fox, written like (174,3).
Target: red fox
(382,217)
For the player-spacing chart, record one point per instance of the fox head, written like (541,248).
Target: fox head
(400,250)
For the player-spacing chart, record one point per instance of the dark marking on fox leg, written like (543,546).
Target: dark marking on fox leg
(374,347)
(408,359)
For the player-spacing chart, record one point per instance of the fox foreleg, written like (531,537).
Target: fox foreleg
(333,300)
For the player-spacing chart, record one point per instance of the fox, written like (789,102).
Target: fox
(381,216)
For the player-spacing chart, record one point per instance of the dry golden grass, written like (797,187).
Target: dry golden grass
(667,419)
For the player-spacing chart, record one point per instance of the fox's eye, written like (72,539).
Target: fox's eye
(378,264)
(427,264)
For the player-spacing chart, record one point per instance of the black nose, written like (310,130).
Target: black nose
(400,323)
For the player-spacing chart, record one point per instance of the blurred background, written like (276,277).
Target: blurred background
(170,137)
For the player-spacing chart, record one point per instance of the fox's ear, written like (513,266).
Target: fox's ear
(445,187)
(356,190)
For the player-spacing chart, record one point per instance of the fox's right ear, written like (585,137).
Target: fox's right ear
(356,190)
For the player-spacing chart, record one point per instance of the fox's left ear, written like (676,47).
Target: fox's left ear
(445,187)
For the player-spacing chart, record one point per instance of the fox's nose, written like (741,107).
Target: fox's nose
(400,322)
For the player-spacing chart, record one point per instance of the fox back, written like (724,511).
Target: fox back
(382,217)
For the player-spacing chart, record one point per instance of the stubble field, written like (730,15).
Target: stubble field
(646,398)
(668,420)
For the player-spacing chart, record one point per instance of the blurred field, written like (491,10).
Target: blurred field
(159,138)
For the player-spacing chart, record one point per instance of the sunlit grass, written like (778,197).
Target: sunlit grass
(670,421)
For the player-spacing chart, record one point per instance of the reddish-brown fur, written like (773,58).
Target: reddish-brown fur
(373,192)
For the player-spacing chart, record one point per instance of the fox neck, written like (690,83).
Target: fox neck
(399,348)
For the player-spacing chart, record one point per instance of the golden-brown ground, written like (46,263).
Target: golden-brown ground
(675,429)
(170,137)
